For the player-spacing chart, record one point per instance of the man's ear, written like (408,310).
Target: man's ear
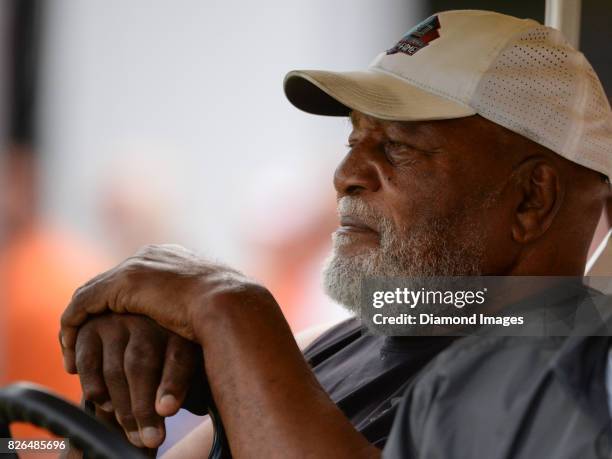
(541,195)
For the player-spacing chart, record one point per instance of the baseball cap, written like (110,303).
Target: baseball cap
(515,72)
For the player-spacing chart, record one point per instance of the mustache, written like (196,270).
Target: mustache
(349,206)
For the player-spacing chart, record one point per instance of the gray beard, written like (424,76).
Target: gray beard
(441,246)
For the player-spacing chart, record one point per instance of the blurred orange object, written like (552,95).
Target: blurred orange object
(39,270)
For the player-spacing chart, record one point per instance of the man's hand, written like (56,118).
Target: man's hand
(167,283)
(261,384)
(130,366)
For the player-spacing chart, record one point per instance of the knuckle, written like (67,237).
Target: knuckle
(140,372)
(174,360)
(140,357)
(125,419)
(177,359)
(106,324)
(144,411)
(87,362)
(112,335)
(115,343)
(147,250)
(94,392)
(79,294)
(159,251)
(88,329)
(177,355)
(173,248)
(113,374)
(132,264)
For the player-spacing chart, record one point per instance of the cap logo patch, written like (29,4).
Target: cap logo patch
(418,37)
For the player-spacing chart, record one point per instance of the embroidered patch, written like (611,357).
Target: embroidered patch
(418,37)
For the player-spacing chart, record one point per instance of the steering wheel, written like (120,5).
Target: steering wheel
(25,402)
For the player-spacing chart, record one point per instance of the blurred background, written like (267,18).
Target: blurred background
(124,123)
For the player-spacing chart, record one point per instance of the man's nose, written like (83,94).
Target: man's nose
(357,173)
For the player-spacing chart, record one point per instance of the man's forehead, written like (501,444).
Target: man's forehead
(438,129)
(448,128)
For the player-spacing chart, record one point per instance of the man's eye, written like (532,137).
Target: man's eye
(395,146)
(395,151)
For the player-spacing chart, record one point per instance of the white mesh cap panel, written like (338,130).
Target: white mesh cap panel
(595,147)
(529,88)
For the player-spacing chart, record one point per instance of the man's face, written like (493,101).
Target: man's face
(414,199)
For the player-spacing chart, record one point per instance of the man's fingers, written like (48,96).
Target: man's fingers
(89,366)
(68,357)
(89,299)
(178,370)
(116,383)
(143,368)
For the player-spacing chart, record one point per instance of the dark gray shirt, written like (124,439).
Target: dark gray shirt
(367,375)
(508,397)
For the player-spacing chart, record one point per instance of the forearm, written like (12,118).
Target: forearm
(270,401)
(195,445)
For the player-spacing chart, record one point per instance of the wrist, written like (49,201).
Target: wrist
(219,311)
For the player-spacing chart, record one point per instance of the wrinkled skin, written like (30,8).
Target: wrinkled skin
(408,172)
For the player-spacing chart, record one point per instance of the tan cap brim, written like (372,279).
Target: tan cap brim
(372,93)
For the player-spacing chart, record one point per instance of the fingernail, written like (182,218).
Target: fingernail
(135,439)
(151,436)
(64,342)
(168,401)
(107,406)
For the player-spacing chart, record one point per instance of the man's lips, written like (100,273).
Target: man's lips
(352,224)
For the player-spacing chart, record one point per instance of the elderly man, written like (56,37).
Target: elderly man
(480,146)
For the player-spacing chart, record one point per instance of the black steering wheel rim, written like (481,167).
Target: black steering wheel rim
(31,403)
(26,402)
